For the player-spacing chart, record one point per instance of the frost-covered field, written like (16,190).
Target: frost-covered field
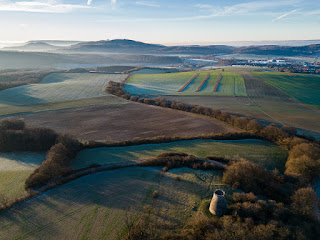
(96,206)
(15,168)
(169,84)
(59,87)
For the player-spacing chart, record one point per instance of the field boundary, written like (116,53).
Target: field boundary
(187,84)
(127,79)
(217,83)
(203,82)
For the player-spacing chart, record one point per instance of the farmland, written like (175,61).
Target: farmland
(263,102)
(15,168)
(96,206)
(302,87)
(179,84)
(261,152)
(112,122)
(58,87)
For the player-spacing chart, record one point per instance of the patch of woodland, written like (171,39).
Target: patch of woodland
(173,160)
(304,153)
(250,177)
(15,136)
(248,217)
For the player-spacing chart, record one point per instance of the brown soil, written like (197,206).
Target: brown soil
(115,122)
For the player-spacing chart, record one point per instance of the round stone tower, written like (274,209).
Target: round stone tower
(218,205)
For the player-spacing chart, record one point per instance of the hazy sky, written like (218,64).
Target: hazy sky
(160,21)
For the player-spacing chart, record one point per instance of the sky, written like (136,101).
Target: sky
(160,21)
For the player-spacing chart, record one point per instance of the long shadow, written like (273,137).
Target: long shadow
(28,159)
(116,189)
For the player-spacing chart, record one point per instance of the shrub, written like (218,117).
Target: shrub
(155,194)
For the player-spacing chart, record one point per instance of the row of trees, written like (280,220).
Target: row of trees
(57,163)
(172,160)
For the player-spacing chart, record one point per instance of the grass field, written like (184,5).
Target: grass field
(261,152)
(58,87)
(168,84)
(303,87)
(15,168)
(96,206)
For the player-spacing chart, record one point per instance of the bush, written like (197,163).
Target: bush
(155,194)
(304,161)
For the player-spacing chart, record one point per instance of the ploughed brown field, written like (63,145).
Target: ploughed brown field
(116,122)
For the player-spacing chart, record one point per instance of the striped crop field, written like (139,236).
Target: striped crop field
(217,83)
(203,82)
(96,206)
(261,152)
(187,83)
(59,87)
(15,168)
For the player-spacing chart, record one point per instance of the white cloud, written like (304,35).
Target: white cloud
(284,15)
(147,4)
(254,7)
(89,2)
(113,3)
(51,6)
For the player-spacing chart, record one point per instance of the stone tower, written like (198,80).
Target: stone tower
(218,205)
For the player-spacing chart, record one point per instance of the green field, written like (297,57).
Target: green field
(15,168)
(261,152)
(96,206)
(303,87)
(169,83)
(58,87)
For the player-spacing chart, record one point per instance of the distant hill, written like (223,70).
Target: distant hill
(34,60)
(130,46)
(33,47)
(117,45)
(280,50)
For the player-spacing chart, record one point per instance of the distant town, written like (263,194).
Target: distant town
(291,65)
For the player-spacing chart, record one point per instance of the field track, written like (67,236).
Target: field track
(217,83)
(187,84)
(203,82)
